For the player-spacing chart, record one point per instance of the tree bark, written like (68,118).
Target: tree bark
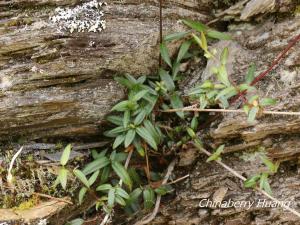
(277,135)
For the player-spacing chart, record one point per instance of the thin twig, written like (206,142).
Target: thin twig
(235,173)
(271,67)
(147,219)
(179,179)
(104,221)
(126,164)
(53,198)
(9,174)
(186,109)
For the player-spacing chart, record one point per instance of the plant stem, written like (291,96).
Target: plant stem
(186,109)
(53,198)
(270,68)
(106,218)
(147,219)
(235,173)
(179,179)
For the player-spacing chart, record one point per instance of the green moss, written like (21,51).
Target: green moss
(297,10)
(27,204)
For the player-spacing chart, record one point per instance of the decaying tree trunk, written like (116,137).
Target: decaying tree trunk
(56,83)
(61,84)
(278,135)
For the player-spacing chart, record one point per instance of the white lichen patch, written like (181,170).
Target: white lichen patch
(88,17)
(5,83)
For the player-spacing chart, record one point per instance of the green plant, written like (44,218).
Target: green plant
(62,177)
(140,126)
(262,178)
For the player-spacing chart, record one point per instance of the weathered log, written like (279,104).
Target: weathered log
(56,83)
(279,135)
(64,93)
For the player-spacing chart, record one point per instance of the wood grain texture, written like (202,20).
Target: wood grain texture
(58,84)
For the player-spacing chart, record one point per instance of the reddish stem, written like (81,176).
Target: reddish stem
(271,67)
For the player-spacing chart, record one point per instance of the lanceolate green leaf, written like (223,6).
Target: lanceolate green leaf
(65,155)
(251,182)
(63,177)
(153,131)
(223,76)
(250,75)
(216,154)
(117,120)
(96,165)
(119,140)
(81,194)
(175,36)
(139,118)
(120,200)
(194,123)
(161,190)
(131,78)
(203,42)
(167,79)
(122,173)
(165,54)
(104,187)
(264,184)
(126,118)
(121,192)
(141,79)
(105,174)
(121,106)
(129,137)
(231,91)
(94,177)
(183,50)
(123,81)
(146,135)
(271,166)
(81,177)
(111,198)
(176,103)
(149,198)
(191,133)
(267,101)
(138,147)
(139,95)
(218,35)
(121,156)
(252,114)
(195,25)
(134,195)
(175,70)
(114,132)
(224,56)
